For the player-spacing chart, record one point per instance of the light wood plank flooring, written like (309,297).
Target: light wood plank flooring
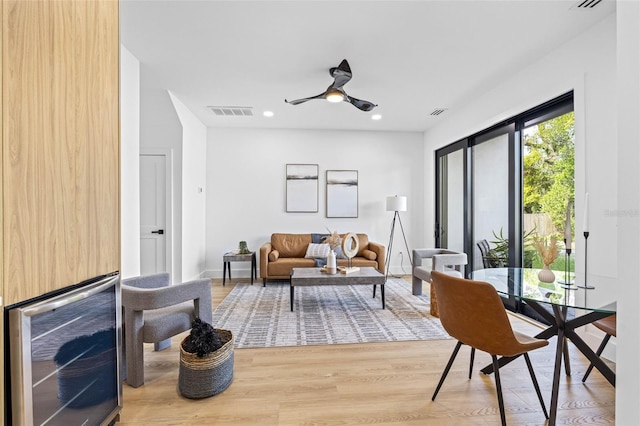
(375,383)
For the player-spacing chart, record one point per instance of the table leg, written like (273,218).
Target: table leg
(291,296)
(567,361)
(382,294)
(595,360)
(564,330)
(224,272)
(255,267)
(556,378)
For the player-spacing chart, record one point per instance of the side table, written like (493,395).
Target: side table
(227,258)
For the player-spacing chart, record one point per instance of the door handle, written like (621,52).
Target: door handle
(159,231)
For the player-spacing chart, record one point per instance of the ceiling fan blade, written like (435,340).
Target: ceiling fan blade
(299,101)
(360,104)
(341,74)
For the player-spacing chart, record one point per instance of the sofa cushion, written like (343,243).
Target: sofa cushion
(363,241)
(359,262)
(317,238)
(290,245)
(317,250)
(274,255)
(339,253)
(282,267)
(368,254)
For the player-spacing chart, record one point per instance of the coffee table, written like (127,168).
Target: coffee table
(314,276)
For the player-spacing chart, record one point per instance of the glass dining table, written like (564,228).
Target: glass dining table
(555,305)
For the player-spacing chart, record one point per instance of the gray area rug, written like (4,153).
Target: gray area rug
(261,317)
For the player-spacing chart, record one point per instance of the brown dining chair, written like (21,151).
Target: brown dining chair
(608,325)
(472,313)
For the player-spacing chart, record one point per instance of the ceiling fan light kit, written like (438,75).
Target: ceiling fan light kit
(334,93)
(334,96)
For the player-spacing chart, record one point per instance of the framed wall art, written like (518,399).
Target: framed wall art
(302,188)
(342,193)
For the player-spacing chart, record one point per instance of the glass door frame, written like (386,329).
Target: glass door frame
(440,207)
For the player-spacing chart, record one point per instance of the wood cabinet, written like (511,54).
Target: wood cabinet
(60,156)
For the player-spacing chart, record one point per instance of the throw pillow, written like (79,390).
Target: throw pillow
(274,255)
(339,253)
(317,238)
(317,250)
(368,254)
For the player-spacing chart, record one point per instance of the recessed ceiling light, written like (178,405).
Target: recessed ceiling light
(268,113)
(376,117)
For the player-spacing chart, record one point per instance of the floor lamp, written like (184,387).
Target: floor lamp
(396,204)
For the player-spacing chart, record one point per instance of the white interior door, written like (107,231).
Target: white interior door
(153,213)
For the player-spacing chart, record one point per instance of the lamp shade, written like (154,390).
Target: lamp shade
(396,204)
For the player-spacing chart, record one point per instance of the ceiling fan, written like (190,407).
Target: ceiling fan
(335,93)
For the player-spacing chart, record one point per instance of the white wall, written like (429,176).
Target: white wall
(161,128)
(586,65)
(129,164)
(194,145)
(246,187)
(628,212)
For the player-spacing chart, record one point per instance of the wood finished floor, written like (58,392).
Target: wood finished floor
(374,383)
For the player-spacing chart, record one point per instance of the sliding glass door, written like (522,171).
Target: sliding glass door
(498,188)
(492,197)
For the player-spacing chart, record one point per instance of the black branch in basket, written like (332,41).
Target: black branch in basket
(203,339)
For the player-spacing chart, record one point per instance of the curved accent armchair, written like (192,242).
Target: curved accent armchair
(472,312)
(154,311)
(435,259)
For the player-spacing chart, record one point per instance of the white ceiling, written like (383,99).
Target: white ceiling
(409,57)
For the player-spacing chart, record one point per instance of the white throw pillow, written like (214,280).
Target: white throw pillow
(317,250)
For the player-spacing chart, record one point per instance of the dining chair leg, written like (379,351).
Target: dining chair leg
(473,353)
(598,353)
(496,373)
(535,384)
(446,370)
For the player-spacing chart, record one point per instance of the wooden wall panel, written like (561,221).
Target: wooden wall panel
(61,143)
(2,415)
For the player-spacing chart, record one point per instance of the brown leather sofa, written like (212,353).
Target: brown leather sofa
(286,251)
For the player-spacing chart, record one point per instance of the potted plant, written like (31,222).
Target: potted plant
(498,255)
(206,361)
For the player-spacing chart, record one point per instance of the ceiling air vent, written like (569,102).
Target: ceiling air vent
(586,4)
(438,111)
(231,111)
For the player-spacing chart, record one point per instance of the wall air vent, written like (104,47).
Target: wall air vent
(586,4)
(438,111)
(231,111)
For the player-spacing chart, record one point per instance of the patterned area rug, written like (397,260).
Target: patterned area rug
(261,316)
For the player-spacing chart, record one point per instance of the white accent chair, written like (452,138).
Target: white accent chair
(435,259)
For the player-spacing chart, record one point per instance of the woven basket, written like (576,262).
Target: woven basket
(209,375)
